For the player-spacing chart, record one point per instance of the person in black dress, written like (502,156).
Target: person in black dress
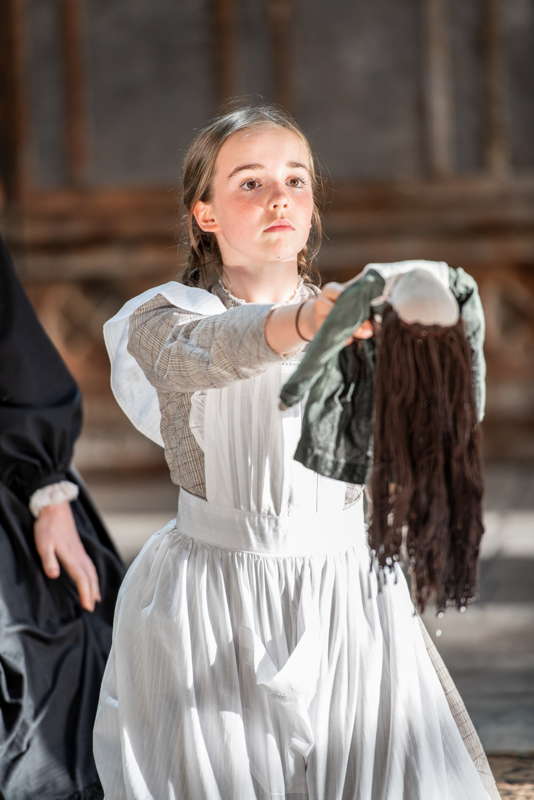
(59,571)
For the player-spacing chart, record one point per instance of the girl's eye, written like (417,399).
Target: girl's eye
(249,185)
(246,184)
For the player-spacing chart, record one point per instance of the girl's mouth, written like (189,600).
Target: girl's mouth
(279,228)
(280,225)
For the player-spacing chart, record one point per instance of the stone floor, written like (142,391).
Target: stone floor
(514,775)
(489,650)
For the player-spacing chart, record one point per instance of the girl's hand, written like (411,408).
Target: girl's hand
(316,310)
(58,542)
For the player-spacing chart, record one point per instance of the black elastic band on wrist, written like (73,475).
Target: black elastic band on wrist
(299,309)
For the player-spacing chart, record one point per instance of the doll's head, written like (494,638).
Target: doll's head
(426,480)
(228,208)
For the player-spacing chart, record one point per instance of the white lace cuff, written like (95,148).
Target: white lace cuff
(52,495)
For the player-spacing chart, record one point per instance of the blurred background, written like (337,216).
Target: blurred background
(421,115)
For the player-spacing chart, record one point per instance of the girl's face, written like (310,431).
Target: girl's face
(262,177)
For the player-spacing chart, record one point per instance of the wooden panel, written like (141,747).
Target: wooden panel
(150,84)
(44,95)
(497,139)
(465,22)
(437,89)
(75,121)
(518,80)
(507,292)
(254,78)
(357,86)
(14,116)
(224,49)
(281,17)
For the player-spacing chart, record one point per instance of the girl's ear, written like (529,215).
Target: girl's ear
(203,214)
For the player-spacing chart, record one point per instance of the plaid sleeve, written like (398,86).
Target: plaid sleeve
(182,351)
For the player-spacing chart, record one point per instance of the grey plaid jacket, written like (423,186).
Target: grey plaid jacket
(180,352)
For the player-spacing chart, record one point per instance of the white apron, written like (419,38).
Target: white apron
(255,653)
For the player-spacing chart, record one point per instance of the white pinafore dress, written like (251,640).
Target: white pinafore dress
(255,653)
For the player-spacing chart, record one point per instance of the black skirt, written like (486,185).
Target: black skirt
(52,657)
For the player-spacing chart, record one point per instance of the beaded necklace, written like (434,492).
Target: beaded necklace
(240,300)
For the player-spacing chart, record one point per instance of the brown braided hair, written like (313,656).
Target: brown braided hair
(426,479)
(204,258)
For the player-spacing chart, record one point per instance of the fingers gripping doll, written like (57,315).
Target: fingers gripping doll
(401,413)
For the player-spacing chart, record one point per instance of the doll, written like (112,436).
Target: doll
(402,415)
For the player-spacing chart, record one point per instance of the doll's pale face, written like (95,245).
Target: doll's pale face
(261,177)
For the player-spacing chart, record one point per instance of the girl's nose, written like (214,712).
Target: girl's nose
(279,198)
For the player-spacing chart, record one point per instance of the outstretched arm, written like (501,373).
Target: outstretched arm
(179,350)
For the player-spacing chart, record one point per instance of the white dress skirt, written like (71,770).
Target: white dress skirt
(255,652)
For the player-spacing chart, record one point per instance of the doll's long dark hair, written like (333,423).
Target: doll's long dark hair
(426,481)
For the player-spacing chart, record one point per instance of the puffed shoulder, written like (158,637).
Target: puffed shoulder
(188,298)
(131,388)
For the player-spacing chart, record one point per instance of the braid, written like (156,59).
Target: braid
(203,258)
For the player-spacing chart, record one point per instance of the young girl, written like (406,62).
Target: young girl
(253,654)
